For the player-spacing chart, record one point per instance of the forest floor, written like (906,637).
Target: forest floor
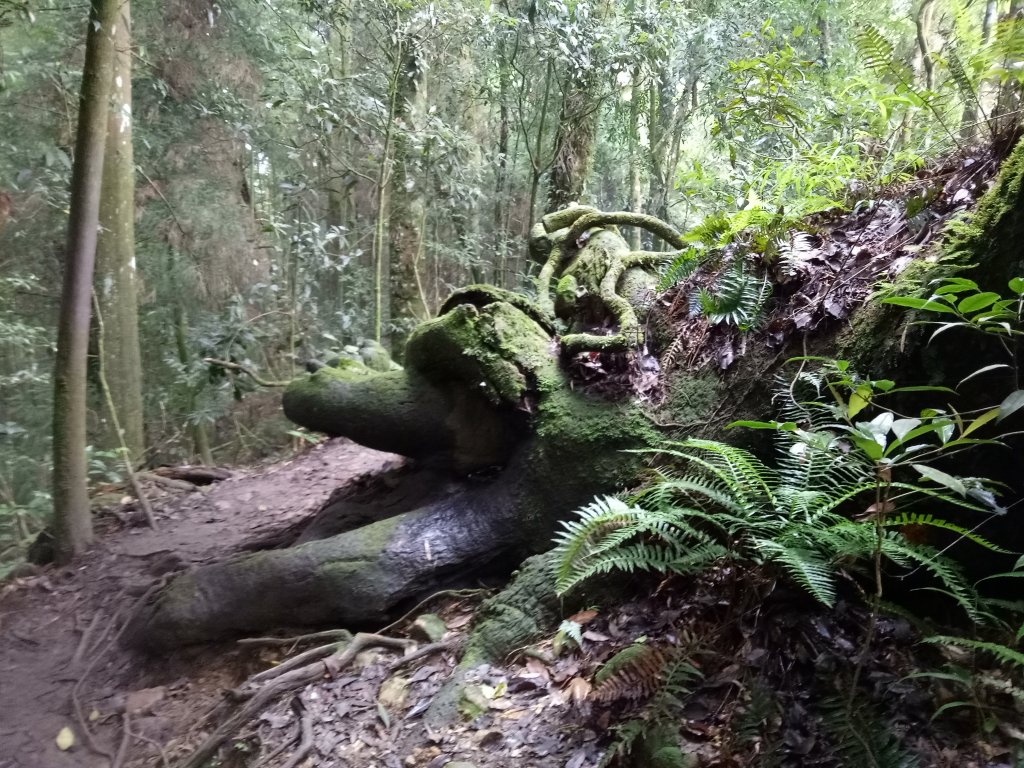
(743,669)
(58,626)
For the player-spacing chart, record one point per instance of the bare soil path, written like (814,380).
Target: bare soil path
(58,626)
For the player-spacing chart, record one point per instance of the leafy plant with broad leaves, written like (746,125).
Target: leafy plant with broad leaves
(962,304)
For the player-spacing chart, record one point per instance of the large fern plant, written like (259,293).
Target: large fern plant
(812,516)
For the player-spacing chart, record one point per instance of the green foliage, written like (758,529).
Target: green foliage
(840,487)
(738,298)
(962,304)
(684,264)
(860,737)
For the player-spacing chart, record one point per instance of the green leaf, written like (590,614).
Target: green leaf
(1013,403)
(860,398)
(986,369)
(1017,285)
(956,285)
(926,304)
(942,478)
(870,448)
(943,328)
(977,301)
(924,388)
(902,427)
(981,421)
(782,426)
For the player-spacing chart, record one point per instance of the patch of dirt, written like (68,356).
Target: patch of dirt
(60,625)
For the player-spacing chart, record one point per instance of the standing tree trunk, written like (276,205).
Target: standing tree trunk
(501,271)
(72,521)
(574,141)
(115,278)
(406,205)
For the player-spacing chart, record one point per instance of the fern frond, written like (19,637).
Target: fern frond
(805,566)
(683,265)
(860,738)
(957,71)
(795,251)
(668,359)
(1003,653)
(738,298)
(916,518)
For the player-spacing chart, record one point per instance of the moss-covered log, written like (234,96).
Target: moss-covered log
(483,386)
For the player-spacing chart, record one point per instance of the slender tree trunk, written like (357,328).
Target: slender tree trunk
(407,205)
(501,277)
(380,251)
(537,166)
(636,190)
(72,517)
(115,278)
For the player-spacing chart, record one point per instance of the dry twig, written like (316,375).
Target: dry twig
(288,681)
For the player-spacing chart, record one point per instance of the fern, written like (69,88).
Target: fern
(860,738)
(1002,653)
(728,505)
(683,265)
(737,298)
(795,251)
(805,566)
(914,518)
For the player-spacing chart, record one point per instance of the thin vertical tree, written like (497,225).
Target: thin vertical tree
(407,206)
(72,523)
(115,280)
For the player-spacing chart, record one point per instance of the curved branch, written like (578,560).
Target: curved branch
(246,370)
(652,224)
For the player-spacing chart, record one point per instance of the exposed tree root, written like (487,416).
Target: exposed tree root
(305,744)
(289,680)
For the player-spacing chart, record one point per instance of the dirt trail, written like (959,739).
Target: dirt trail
(44,618)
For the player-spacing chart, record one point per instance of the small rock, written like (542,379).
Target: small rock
(393,693)
(429,627)
(459,764)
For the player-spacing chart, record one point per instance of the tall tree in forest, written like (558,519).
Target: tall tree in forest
(115,252)
(406,202)
(72,522)
(578,120)
(574,141)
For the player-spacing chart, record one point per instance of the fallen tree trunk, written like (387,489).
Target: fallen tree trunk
(483,386)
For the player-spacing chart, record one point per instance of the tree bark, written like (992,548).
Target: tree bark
(574,141)
(406,204)
(115,279)
(72,519)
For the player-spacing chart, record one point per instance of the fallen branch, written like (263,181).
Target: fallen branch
(76,703)
(246,370)
(306,657)
(426,650)
(126,457)
(288,681)
(328,634)
(146,740)
(126,737)
(427,600)
(168,482)
(194,475)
